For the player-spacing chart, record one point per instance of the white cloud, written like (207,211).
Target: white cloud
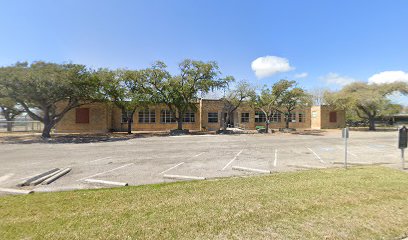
(399,98)
(337,79)
(301,75)
(389,77)
(270,65)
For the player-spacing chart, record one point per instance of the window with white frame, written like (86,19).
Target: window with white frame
(302,117)
(260,117)
(147,116)
(125,115)
(291,116)
(276,117)
(167,116)
(244,117)
(189,117)
(212,117)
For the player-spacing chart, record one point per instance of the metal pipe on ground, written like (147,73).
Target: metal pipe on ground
(56,176)
(42,179)
(31,179)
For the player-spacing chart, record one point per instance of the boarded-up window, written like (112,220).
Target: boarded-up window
(82,115)
(333,117)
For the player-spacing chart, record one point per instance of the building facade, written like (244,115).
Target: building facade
(208,116)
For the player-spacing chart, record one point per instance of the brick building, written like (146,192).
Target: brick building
(104,117)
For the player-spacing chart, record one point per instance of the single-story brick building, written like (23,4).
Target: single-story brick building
(104,117)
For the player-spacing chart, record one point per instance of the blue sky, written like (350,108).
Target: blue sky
(323,43)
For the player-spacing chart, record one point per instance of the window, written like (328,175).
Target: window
(276,117)
(302,117)
(260,117)
(189,117)
(82,115)
(244,117)
(291,116)
(147,116)
(314,114)
(212,117)
(333,117)
(125,116)
(166,116)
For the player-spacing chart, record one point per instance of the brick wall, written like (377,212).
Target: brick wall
(99,115)
(105,117)
(118,125)
(325,118)
(322,119)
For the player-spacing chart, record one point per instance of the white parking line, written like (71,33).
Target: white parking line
(171,168)
(232,160)
(348,151)
(105,172)
(318,157)
(5,177)
(374,148)
(199,154)
(276,158)
(99,159)
(181,163)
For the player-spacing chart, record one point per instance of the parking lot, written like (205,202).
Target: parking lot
(150,160)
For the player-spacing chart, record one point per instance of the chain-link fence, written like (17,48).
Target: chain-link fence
(20,126)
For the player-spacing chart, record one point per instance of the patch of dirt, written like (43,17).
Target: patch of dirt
(310,132)
(29,138)
(69,138)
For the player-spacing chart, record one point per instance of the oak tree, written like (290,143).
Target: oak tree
(123,88)
(291,98)
(47,91)
(368,101)
(180,93)
(242,92)
(10,110)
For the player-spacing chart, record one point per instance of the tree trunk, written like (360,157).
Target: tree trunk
(47,129)
(225,121)
(9,126)
(9,120)
(180,124)
(371,124)
(180,121)
(48,124)
(129,116)
(287,120)
(129,125)
(267,126)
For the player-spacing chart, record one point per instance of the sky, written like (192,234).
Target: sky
(319,43)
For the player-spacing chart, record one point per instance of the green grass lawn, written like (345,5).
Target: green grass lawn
(360,203)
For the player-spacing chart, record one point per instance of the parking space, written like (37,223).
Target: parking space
(158,159)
